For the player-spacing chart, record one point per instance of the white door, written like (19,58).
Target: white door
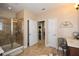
(33,33)
(52,33)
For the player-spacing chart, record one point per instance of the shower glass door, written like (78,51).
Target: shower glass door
(17,33)
(5,34)
(11,35)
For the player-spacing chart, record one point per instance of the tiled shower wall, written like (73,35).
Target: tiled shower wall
(5,33)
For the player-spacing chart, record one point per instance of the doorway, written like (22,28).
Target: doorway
(36,32)
(41,31)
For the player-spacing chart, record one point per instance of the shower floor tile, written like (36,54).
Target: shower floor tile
(8,46)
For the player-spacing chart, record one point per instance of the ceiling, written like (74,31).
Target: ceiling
(34,7)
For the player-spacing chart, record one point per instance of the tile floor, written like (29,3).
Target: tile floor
(38,49)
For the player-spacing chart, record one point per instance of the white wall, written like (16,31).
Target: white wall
(66,13)
(63,13)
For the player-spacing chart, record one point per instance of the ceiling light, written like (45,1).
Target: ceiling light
(9,8)
(43,9)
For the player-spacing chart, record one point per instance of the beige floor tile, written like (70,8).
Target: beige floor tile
(38,49)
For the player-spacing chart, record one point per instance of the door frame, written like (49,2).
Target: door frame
(41,29)
(27,33)
(44,30)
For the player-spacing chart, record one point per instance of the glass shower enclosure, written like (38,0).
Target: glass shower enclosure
(11,35)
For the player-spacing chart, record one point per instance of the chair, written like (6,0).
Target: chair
(62,43)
